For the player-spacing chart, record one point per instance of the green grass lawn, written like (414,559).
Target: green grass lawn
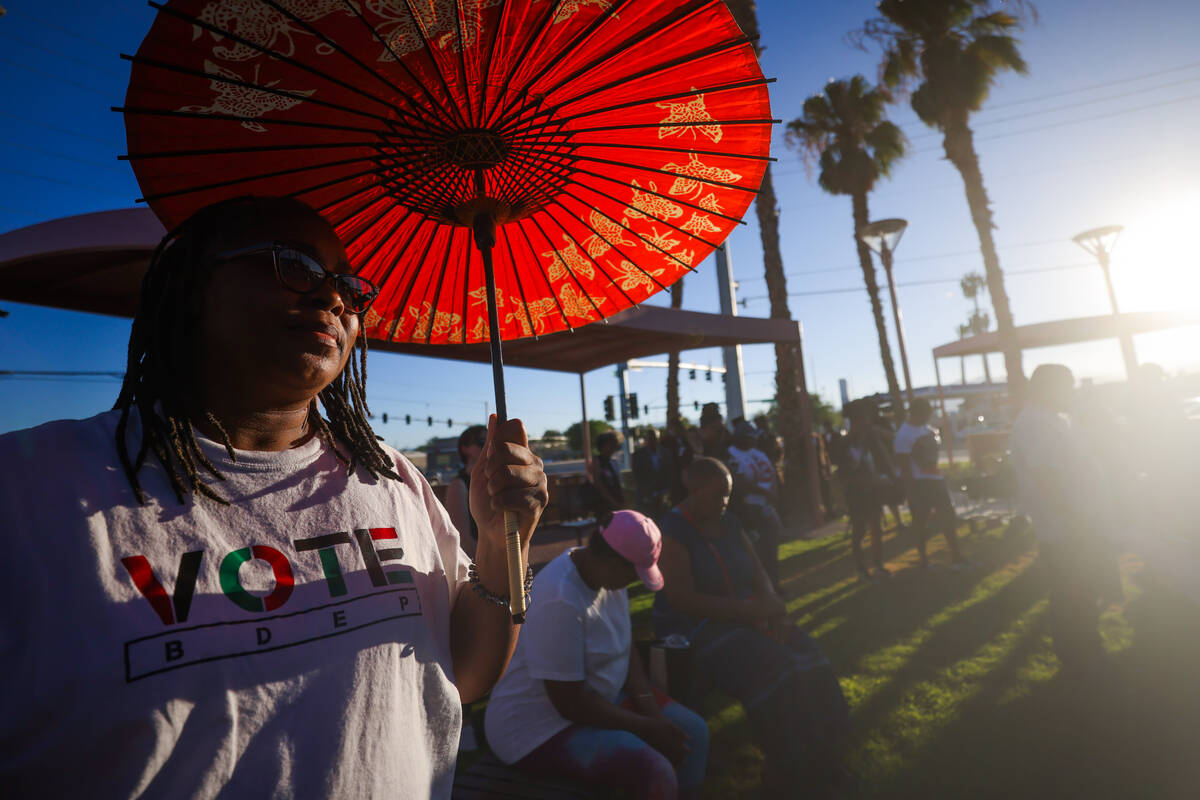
(954,688)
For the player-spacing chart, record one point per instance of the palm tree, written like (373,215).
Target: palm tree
(845,132)
(953,50)
(673,362)
(964,331)
(973,285)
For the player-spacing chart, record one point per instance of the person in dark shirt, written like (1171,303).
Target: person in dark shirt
(717,594)
(649,476)
(606,477)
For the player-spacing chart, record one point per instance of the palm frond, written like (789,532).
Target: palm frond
(997,53)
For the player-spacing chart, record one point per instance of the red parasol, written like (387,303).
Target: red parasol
(521,166)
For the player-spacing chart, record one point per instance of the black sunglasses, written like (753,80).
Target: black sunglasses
(302,273)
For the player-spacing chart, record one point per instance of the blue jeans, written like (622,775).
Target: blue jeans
(621,760)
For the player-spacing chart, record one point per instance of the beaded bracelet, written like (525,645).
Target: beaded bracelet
(500,600)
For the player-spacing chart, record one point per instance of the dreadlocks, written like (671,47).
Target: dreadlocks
(160,383)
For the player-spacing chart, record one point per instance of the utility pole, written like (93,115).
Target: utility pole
(735,382)
(623,390)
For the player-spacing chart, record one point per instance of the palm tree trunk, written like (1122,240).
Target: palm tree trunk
(791,424)
(673,361)
(960,150)
(861,218)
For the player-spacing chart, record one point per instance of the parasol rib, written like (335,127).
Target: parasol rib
(212,76)
(681,61)
(673,96)
(437,105)
(512,260)
(275,54)
(403,304)
(542,29)
(581,38)
(437,67)
(667,148)
(219,117)
(595,261)
(605,239)
(620,203)
(542,272)
(258,177)
(570,272)
(352,58)
(665,24)
(672,256)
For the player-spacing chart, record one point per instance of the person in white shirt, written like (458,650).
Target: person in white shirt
(755,492)
(575,701)
(1064,492)
(916,446)
(223,592)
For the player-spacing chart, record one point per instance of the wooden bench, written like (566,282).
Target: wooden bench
(490,778)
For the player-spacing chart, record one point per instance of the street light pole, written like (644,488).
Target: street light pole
(882,237)
(1099,242)
(885,255)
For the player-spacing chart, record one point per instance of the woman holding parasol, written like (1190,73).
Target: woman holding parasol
(262,600)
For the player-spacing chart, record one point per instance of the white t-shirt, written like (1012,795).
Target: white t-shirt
(295,643)
(571,633)
(906,437)
(754,466)
(1076,500)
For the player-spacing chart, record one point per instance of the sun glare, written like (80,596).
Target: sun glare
(1156,262)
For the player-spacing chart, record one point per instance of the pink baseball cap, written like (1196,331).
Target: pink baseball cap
(637,539)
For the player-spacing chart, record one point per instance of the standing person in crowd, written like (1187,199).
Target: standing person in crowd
(718,595)
(185,675)
(576,702)
(767,441)
(608,495)
(893,493)
(755,493)
(458,494)
(867,480)
(916,446)
(677,454)
(649,475)
(714,438)
(1064,493)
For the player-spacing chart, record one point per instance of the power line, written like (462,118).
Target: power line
(928,282)
(106,95)
(1056,109)
(64,56)
(1077,121)
(25,15)
(63,183)
(25,120)
(928,257)
(65,156)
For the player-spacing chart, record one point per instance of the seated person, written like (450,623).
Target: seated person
(718,595)
(575,701)
(755,492)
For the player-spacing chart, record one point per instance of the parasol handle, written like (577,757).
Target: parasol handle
(484,228)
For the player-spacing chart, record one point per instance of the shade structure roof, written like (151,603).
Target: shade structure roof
(1071,331)
(95,262)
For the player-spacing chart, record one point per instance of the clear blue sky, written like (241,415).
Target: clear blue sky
(1101,131)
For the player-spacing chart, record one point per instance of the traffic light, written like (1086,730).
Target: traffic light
(634,410)
(697,405)
(692,374)
(646,408)
(609,416)
(708,375)
(429,421)
(449,423)
(385,418)
(408,419)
